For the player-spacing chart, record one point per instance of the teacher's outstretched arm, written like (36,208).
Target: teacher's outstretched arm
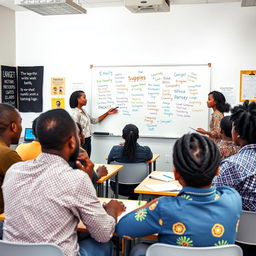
(109,112)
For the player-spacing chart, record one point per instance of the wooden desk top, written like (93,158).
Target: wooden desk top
(141,189)
(153,159)
(130,206)
(112,170)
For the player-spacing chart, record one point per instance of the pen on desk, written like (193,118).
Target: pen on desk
(167,176)
(192,128)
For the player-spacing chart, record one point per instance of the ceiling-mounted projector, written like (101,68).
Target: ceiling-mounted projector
(52,7)
(144,6)
(248,3)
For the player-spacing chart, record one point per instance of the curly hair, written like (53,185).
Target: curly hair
(244,121)
(220,100)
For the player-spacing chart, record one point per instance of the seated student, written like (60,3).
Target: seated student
(45,198)
(239,170)
(129,152)
(101,170)
(29,151)
(200,215)
(10,130)
(226,146)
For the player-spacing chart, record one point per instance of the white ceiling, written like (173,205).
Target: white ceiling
(108,3)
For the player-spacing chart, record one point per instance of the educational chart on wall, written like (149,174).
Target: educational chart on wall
(163,101)
(9,85)
(30,82)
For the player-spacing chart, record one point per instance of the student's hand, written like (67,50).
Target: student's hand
(121,143)
(201,130)
(102,171)
(87,167)
(114,208)
(112,111)
(82,156)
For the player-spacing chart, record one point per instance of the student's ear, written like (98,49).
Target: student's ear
(176,174)
(13,127)
(217,172)
(71,143)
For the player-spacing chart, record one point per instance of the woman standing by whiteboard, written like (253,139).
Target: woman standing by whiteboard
(77,101)
(216,101)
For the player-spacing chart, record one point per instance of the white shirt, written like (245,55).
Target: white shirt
(45,199)
(85,120)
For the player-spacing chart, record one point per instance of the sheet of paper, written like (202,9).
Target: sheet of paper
(164,187)
(249,87)
(130,205)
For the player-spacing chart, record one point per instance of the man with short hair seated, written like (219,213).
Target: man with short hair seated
(200,215)
(10,130)
(45,198)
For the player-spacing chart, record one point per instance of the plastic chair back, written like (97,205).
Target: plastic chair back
(247,228)
(173,250)
(132,173)
(27,249)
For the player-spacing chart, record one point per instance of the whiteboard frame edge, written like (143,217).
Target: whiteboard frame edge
(149,65)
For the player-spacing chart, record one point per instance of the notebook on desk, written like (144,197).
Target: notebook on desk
(29,136)
(164,187)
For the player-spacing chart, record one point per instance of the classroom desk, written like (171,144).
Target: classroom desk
(141,189)
(130,206)
(112,170)
(152,160)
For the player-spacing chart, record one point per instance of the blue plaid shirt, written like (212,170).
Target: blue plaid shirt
(239,171)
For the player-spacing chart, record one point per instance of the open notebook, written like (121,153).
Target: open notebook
(130,205)
(164,187)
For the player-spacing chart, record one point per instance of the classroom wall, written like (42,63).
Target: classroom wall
(223,34)
(7,37)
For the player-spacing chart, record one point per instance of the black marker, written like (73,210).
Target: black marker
(115,108)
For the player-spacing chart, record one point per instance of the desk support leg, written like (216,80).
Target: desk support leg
(154,168)
(106,194)
(150,167)
(117,186)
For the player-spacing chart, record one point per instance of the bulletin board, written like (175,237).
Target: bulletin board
(247,85)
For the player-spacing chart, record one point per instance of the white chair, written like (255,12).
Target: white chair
(159,249)
(131,174)
(27,249)
(247,228)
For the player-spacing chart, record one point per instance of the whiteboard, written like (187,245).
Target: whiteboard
(163,101)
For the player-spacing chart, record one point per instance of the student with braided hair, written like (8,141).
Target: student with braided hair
(200,215)
(239,170)
(216,101)
(129,152)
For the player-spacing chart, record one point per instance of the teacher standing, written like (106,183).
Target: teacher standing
(77,101)
(217,102)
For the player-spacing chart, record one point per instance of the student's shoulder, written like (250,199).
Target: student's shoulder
(9,153)
(226,190)
(144,148)
(117,148)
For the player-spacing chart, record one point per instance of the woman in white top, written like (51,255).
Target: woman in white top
(77,101)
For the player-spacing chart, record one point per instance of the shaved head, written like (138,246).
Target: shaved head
(10,122)
(8,114)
